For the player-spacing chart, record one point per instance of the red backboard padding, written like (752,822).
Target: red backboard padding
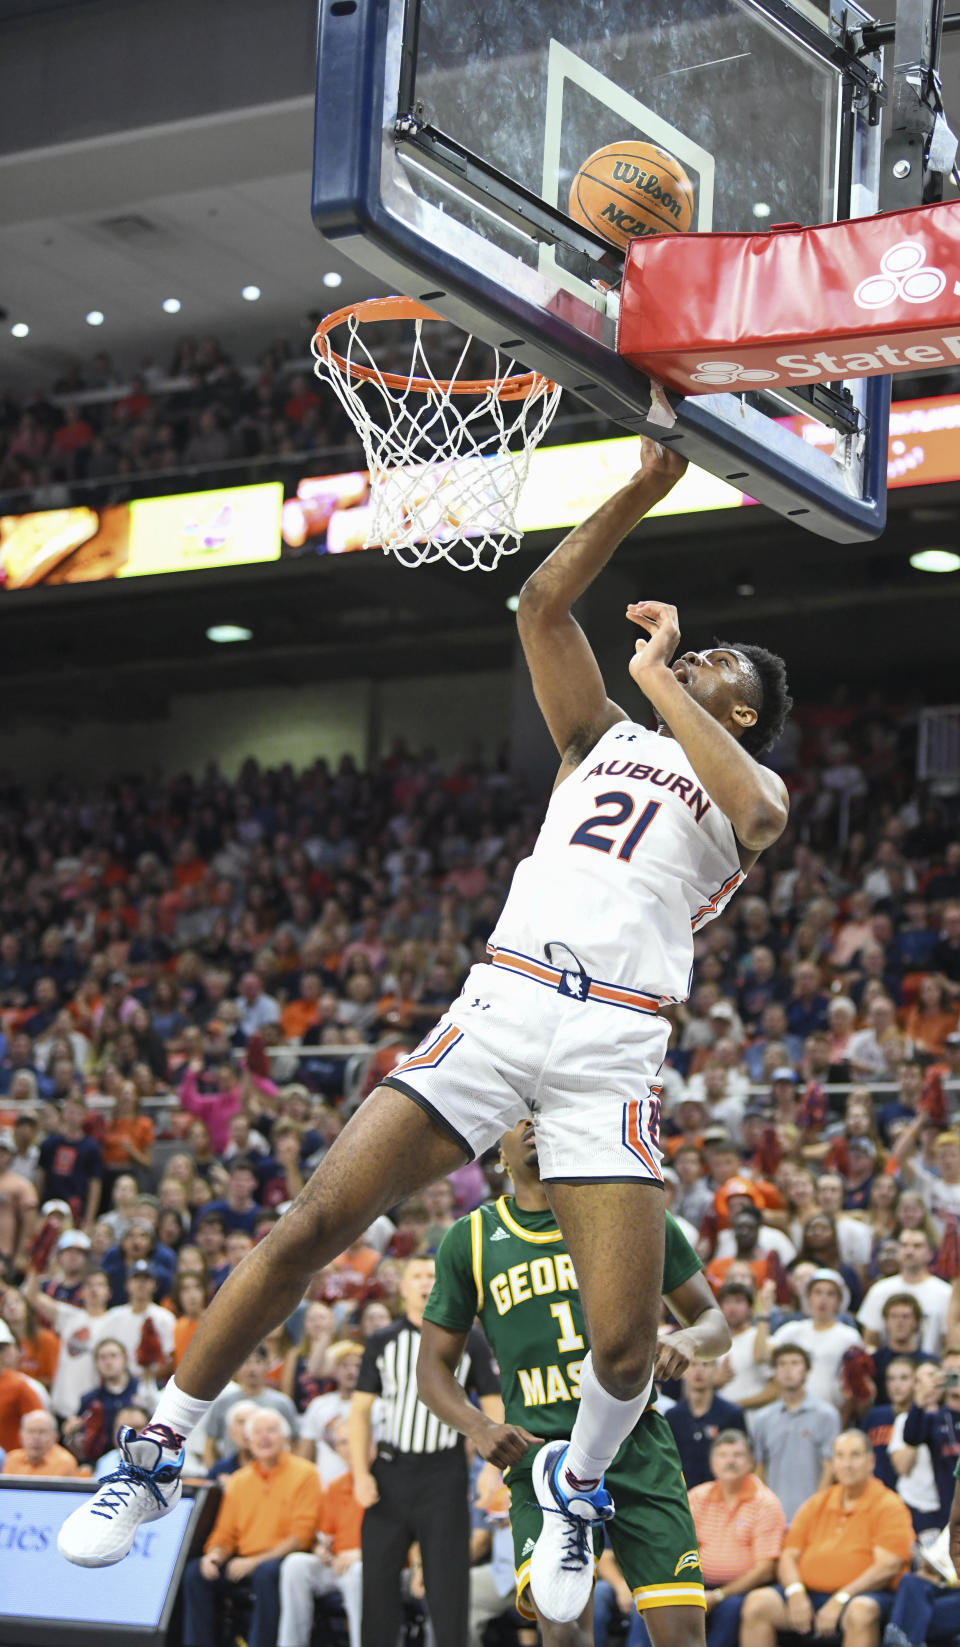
(871,296)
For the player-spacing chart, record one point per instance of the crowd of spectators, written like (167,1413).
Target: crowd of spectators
(200,978)
(103,430)
(102,434)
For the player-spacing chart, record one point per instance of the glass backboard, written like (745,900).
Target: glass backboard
(448,136)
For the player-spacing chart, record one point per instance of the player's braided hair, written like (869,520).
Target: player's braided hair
(769,698)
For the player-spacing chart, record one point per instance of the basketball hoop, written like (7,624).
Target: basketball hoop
(445,481)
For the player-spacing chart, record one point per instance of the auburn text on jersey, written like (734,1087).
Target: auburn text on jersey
(690,793)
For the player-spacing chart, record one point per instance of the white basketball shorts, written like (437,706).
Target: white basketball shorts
(527,1039)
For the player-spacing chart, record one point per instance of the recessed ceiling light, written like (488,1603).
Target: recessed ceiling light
(761,209)
(331,278)
(94,318)
(171,305)
(746,590)
(250,293)
(935,560)
(224,633)
(513,601)
(19,329)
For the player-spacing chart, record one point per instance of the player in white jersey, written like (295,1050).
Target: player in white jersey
(646,836)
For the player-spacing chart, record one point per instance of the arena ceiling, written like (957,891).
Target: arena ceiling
(203,195)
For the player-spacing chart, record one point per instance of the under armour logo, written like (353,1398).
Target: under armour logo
(626,737)
(719,373)
(483,1005)
(905,274)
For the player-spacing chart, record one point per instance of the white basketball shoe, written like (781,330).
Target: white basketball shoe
(145,1487)
(562,1564)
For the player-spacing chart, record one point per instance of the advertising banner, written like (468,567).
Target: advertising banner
(37,1583)
(924,444)
(190,531)
(867,297)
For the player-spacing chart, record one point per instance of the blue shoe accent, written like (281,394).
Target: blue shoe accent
(588,1506)
(129,1475)
(124,1482)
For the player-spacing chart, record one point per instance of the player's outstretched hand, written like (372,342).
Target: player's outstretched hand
(504,1444)
(663,626)
(660,463)
(674,1355)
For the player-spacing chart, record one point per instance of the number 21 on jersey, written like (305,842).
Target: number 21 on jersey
(622,806)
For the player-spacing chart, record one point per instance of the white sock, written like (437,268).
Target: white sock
(178,1411)
(601,1424)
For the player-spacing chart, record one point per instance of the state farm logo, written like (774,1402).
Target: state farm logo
(720,373)
(905,274)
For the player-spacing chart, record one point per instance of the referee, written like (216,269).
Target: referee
(416,1491)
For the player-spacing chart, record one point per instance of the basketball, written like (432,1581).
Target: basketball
(631,189)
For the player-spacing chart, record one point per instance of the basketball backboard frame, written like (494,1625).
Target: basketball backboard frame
(381,166)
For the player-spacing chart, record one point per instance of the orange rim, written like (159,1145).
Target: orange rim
(519,387)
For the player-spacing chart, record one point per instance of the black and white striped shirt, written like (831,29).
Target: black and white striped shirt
(389,1369)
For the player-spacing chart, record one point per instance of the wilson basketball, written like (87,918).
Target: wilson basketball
(632,189)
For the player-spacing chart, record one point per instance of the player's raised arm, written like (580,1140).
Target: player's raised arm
(566,679)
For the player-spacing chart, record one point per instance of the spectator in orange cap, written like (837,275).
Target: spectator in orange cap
(736,1195)
(724,1162)
(738,1188)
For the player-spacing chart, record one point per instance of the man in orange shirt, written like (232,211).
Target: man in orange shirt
(740,1530)
(17,1395)
(301,1014)
(270,1508)
(846,1551)
(335,1564)
(39,1452)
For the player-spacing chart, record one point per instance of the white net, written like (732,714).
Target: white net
(448,459)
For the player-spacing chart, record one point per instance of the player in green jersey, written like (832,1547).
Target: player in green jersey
(507,1264)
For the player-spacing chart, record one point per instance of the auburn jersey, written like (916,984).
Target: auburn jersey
(632,859)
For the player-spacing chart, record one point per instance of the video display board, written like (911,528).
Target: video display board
(189,531)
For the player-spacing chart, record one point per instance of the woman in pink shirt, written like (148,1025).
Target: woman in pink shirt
(215,1108)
